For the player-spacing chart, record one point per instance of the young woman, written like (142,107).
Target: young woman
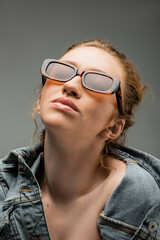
(79,182)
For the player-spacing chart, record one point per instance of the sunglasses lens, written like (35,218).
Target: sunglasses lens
(60,71)
(98,82)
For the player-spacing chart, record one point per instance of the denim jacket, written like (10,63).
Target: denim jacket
(131,213)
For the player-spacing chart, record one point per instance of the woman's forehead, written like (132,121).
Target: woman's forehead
(93,58)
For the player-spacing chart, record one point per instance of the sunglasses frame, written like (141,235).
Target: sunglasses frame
(115,88)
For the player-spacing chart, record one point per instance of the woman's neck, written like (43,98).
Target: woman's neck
(72,167)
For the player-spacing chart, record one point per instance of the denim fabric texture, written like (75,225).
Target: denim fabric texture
(131,213)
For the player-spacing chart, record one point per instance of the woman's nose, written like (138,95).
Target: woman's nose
(73,87)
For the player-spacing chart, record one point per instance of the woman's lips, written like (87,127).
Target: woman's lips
(66,104)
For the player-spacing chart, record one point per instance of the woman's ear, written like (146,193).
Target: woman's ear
(113,132)
(38,104)
(116,130)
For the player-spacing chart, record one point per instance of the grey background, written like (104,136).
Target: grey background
(32,30)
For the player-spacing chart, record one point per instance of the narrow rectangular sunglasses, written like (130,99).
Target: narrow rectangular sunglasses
(95,81)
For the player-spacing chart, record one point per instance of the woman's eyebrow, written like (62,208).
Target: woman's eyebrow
(76,65)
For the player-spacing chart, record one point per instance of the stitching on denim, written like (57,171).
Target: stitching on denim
(132,161)
(23,216)
(108,219)
(3,184)
(35,206)
(21,200)
(123,155)
(148,235)
(40,210)
(145,236)
(129,232)
(31,201)
(3,188)
(15,228)
(36,225)
(10,228)
(119,228)
(26,199)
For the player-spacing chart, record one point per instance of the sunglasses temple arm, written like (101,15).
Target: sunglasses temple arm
(119,100)
(43,80)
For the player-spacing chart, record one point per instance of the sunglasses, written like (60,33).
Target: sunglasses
(95,81)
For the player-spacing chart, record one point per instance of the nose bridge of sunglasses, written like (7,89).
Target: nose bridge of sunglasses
(79,72)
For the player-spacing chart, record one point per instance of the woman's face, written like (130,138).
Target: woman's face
(97,113)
